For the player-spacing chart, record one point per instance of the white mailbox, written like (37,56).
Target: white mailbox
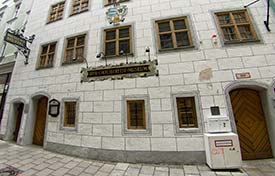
(222,150)
(219,124)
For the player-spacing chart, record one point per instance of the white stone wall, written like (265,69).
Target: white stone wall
(100,115)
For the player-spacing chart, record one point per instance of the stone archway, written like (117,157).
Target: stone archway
(250,112)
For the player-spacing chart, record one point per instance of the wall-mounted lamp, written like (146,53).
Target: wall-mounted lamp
(147,50)
(124,53)
(86,62)
(102,55)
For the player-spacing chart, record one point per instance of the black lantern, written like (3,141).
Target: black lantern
(54,106)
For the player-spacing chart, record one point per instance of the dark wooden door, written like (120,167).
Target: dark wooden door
(251,124)
(19,112)
(40,122)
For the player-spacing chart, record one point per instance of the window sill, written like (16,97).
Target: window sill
(73,62)
(12,20)
(72,129)
(241,42)
(176,49)
(188,130)
(49,22)
(116,56)
(46,67)
(74,14)
(109,4)
(134,132)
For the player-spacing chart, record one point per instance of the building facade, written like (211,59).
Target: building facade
(12,16)
(210,59)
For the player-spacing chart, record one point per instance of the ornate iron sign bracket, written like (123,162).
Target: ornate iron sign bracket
(17,39)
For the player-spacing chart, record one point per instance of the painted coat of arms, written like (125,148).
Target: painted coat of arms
(116,14)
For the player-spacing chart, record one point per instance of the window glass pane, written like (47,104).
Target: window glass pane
(229,33)
(166,41)
(44,49)
(110,48)
(245,32)
(70,113)
(179,24)
(80,40)
(42,61)
(52,48)
(124,33)
(187,112)
(136,114)
(239,18)
(79,53)
(69,55)
(110,35)
(125,46)
(164,27)
(224,19)
(70,43)
(182,39)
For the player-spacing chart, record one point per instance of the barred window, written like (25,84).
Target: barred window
(236,26)
(79,6)
(117,40)
(187,112)
(47,55)
(136,114)
(173,33)
(74,51)
(56,12)
(109,2)
(69,114)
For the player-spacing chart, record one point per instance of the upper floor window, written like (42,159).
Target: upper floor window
(236,26)
(47,55)
(109,2)
(173,33)
(74,51)
(56,12)
(136,114)
(117,40)
(79,6)
(187,115)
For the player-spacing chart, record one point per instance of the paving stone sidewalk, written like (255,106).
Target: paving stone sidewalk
(33,160)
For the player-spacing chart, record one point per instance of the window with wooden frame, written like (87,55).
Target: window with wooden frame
(47,55)
(236,26)
(70,114)
(110,2)
(174,33)
(74,51)
(118,39)
(79,6)
(56,12)
(136,114)
(187,115)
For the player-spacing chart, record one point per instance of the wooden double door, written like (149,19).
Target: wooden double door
(40,121)
(251,124)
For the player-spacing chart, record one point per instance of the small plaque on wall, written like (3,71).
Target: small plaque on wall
(245,75)
(54,106)
(215,110)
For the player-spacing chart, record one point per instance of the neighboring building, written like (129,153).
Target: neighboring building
(212,56)
(12,16)
(273,5)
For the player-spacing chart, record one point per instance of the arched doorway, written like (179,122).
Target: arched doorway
(18,112)
(250,123)
(40,120)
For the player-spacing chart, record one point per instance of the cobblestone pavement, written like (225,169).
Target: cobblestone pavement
(33,160)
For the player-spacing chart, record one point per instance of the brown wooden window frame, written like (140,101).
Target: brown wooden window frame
(65,114)
(74,48)
(194,113)
(118,39)
(136,127)
(82,8)
(107,3)
(173,32)
(59,9)
(47,55)
(236,26)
